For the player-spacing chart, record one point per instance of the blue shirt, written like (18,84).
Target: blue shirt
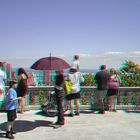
(11,105)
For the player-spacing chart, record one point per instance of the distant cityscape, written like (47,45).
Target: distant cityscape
(39,77)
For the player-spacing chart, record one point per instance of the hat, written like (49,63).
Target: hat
(14,80)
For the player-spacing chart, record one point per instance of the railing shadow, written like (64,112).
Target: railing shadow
(132,111)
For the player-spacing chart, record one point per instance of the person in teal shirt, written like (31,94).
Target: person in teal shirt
(3,77)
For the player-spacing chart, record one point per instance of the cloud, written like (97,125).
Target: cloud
(114,53)
(85,55)
(135,52)
(87,61)
(111,59)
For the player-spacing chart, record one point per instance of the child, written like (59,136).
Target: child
(76,63)
(11,105)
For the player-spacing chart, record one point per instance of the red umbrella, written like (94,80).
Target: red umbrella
(50,63)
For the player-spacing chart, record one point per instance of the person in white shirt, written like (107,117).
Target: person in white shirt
(76,63)
(75,79)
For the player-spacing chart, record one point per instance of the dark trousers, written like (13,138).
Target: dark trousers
(59,101)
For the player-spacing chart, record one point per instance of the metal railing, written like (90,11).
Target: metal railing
(128,97)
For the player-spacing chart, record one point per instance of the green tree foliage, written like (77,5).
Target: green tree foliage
(130,74)
(41,97)
(89,80)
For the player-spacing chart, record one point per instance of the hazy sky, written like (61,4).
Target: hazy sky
(31,29)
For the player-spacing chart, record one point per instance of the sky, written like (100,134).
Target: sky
(100,31)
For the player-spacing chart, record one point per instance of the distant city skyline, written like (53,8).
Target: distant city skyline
(100,31)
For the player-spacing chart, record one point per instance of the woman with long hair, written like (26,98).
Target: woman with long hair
(22,88)
(113,84)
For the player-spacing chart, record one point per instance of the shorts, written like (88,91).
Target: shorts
(112,92)
(101,94)
(73,96)
(11,115)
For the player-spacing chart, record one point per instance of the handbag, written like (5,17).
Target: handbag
(67,86)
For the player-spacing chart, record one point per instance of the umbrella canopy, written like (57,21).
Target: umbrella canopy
(50,63)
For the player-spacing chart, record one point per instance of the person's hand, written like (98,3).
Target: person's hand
(19,98)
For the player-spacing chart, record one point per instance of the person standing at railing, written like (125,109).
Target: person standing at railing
(101,79)
(22,88)
(75,79)
(113,84)
(59,95)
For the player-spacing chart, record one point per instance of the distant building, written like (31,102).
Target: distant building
(8,69)
(47,77)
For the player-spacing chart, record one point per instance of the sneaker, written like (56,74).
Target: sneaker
(57,126)
(102,112)
(71,115)
(21,112)
(59,123)
(93,111)
(9,135)
(56,123)
(13,132)
(62,123)
(77,114)
(115,110)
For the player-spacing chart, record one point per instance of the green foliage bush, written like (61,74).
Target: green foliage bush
(41,97)
(129,75)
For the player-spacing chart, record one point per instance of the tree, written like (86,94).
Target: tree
(130,74)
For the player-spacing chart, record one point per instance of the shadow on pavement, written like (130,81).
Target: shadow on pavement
(41,113)
(24,125)
(86,111)
(132,111)
(2,135)
(44,114)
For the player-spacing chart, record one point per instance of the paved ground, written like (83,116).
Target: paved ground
(88,126)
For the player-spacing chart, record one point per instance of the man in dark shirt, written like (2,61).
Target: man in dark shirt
(101,78)
(59,94)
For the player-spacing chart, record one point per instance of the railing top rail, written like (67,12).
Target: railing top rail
(83,87)
(91,87)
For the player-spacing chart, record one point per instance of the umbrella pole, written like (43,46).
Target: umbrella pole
(50,70)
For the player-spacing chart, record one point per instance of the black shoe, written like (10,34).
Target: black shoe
(56,123)
(101,112)
(13,132)
(71,115)
(77,114)
(57,126)
(62,123)
(9,135)
(59,123)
